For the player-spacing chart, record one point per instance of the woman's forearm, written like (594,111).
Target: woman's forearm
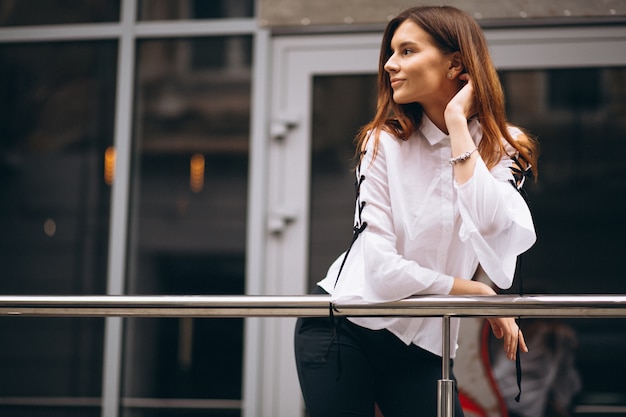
(469,287)
(461,142)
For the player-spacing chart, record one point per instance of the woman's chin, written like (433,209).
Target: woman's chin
(400,100)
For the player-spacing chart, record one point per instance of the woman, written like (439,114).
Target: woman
(434,200)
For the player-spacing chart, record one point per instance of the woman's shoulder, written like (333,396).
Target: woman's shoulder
(379,147)
(381,139)
(519,137)
(514,131)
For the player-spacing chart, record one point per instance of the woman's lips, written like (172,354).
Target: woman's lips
(395,82)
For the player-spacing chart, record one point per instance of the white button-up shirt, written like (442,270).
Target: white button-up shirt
(423,229)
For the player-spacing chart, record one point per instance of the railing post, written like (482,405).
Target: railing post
(445,386)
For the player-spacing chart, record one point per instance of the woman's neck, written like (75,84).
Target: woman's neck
(436,116)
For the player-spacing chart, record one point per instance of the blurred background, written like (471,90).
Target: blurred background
(153,147)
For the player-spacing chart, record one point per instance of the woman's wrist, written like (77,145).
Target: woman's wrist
(458,129)
(462,157)
(454,118)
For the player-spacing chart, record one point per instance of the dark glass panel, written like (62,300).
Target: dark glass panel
(58,12)
(188,216)
(50,411)
(194,9)
(56,121)
(341,105)
(579,118)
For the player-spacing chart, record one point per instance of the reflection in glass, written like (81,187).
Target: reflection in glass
(57,12)
(194,9)
(56,121)
(188,219)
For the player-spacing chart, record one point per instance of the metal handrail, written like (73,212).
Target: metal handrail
(318,305)
(311,306)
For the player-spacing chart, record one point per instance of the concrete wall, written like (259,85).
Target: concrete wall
(304,13)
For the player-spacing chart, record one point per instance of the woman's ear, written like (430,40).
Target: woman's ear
(456,64)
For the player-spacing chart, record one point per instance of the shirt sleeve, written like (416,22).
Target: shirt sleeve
(386,274)
(495,219)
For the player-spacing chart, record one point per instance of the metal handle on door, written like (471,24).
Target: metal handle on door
(278,219)
(282,124)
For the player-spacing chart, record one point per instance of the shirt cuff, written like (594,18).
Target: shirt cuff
(441,286)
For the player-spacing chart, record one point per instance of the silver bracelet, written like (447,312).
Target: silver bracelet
(462,157)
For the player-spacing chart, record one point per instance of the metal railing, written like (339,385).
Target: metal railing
(311,306)
(549,306)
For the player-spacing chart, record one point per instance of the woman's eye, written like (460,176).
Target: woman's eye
(407,51)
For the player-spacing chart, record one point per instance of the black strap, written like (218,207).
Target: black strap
(359,225)
(520,173)
(518,357)
(357,229)
(518,369)
(335,328)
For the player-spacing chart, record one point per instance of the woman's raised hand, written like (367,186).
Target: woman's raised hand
(463,102)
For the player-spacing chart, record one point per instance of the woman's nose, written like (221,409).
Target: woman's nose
(390,65)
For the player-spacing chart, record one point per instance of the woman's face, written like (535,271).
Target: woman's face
(417,68)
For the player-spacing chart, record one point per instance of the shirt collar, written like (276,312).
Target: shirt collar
(430,131)
(434,135)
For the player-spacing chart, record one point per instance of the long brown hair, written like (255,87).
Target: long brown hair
(452,31)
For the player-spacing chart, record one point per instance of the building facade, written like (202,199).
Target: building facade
(171,147)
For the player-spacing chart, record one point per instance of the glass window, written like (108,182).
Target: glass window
(579,118)
(194,9)
(188,219)
(56,123)
(353,97)
(57,12)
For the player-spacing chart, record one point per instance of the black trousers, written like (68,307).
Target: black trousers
(343,376)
